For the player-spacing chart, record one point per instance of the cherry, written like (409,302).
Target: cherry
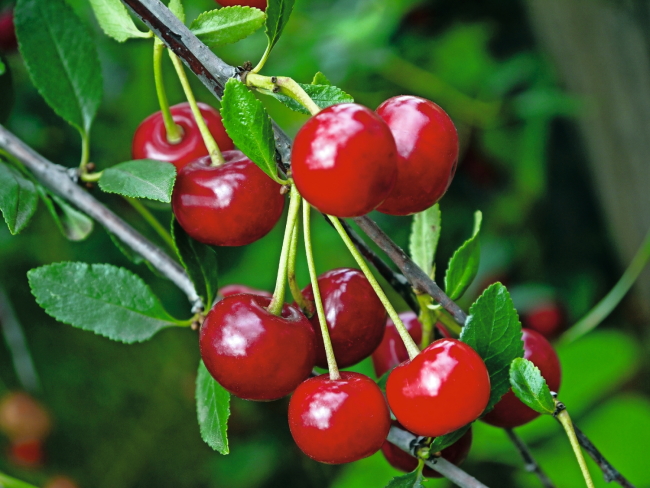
(8,41)
(60,482)
(355,316)
(455,454)
(254,354)
(150,138)
(23,418)
(229,290)
(260,4)
(229,205)
(427,148)
(391,350)
(509,412)
(339,421)
(344,160)
(547,318)
(27,453)
(442,389)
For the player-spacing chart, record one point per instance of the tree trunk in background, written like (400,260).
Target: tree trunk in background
(602,51)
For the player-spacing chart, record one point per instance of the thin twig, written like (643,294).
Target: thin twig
(529,461)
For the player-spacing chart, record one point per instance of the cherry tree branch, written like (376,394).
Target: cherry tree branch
(529,461)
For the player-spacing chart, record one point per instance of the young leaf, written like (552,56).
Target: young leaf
(249,126)
(443,441)
(115,20)
(530,386)
(320,79)
(74,224)
(61,59)
(425,233)
(142,178)
(494,331)
(322,95)
(104,299)
(227,25)
(410,480)
(200,262)
(176,7)
(277,16)
(213,410)
(18,198)
(463,265)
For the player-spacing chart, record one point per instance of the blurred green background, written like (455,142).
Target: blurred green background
(124,415)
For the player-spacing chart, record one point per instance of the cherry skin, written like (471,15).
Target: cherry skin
(229,205)
(391,350)
(509,412)
(442,389)
(234,289)
(427,148)
(150,138)
(344,160)
(8,41)
(455,454)
(254,354)
(339,421)
(355,316)
(546,318)
(260,4)
(27,453)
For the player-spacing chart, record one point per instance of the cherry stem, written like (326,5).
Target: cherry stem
(426,319)
(285,85)
(275,307)
(151,220)
(173,131)
(263,60)
(208,140)
(327,342)
(307,306)
(411,346)
(565,420)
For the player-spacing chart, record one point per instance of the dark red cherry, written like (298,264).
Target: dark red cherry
(8,41)
(260,4)
(455,454)
(229,205)
(391,351)
(228,290)
(547,318)
(27,453)
(442,389)
(150,138)
(254,354)
(355,316)
(344,160)
(509,412)
(339,421)
(427,148)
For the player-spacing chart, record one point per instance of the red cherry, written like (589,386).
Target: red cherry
(229,205)
(455,454)
(355,316)
(427,147)
(442,389)
(27,453)
(260,4)
(339,421)
(344,160)
(254,354)
(391,351)
(229,290)
(547,318)
(22,417)
(8,41)
(509,412)
(150,138)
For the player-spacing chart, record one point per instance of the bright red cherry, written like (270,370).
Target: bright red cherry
(229,205)
(427,148)
(344,160)
(455,454)
(355,316)
(260,4)
(254,354)
(442,389)
(8,41)
(391,351)
(546,318)
(339,421)
(509,412)
(150,138)
(228,290)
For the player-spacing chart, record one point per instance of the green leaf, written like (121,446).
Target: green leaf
(443,441)
(142,178)
(425,233)
(104,299)
(322,95)
(381,382)
(277,16)
(463,265)
(72,223)
(132,256)
(18,198)
(61,59)
(3,67)
(227,25)
(213,410)
(530,386)
(200,262)
(249,126)
(115,20)
(176,7)
(494,331)
(320,79)
(410,480)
